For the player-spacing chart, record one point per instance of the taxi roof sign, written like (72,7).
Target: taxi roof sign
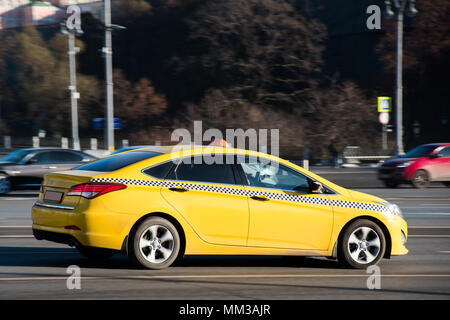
(384,104)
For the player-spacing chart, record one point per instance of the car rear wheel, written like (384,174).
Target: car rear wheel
(155,244)
(5,184)
(362,245)
(420,179)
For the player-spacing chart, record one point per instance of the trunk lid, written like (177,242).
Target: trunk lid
(56,185)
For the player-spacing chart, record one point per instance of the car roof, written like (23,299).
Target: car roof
(187,150)
(437,144)
(51,149)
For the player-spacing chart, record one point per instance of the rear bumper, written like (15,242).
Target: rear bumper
(91,227)
(56,237)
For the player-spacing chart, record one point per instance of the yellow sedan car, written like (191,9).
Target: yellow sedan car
(158,204)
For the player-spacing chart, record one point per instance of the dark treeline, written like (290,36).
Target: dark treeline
(231,63)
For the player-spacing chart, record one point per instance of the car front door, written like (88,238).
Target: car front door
(207,196)
(440,166)
(283,211)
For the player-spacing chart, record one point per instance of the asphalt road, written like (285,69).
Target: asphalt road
(31,269)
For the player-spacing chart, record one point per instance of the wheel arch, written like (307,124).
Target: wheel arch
(163,215)
(387,235)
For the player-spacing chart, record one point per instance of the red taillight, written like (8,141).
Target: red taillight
(92,190)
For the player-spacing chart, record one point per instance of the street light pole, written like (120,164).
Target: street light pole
(74,95)
(400,5)
(107,51)
(399,149)
(71,28)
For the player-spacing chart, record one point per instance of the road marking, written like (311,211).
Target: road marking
(14,227)
(17,236)
(428,236)
(444,251)
(428,227)
(231,276)
(20,199)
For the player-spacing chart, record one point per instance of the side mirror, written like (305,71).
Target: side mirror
(31,161)
(434,156)
(316,187)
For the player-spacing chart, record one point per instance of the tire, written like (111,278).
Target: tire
(390,183)
(420,179)
(447,184)
(155,244)
(362,244)
(5,184)
(97,254)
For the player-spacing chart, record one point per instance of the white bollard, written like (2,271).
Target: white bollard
(35,142)
(64,143)
(7,142)
(94,144)
(306,164)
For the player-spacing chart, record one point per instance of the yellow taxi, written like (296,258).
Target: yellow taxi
(158,204)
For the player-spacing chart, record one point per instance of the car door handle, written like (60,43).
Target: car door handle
(260,198)
(178,189)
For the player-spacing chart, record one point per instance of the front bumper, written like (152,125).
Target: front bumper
(391,174)
(398,241)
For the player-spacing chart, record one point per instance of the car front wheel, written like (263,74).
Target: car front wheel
(420,179)
(5,184)
(155,244)
(362,245)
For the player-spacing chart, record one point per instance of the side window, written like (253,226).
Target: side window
(41,157)
(199,171)
(67,156)
(159,171)
(268,175)
(445,152)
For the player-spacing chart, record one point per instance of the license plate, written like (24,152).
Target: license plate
(385,176)
(53,196)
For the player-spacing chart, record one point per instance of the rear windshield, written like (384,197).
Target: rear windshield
(118,161)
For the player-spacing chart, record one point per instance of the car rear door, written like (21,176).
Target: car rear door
(283,211)
(207,196)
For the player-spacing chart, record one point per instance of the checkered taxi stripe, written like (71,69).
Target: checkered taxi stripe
(251,193)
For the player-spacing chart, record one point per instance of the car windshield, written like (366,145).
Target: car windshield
(118,161)
(419,152)
(15,156)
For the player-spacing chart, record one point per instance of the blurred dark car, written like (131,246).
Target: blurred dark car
(26,167)
(129,149)
(420,166)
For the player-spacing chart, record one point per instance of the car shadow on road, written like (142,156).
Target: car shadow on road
(63,257)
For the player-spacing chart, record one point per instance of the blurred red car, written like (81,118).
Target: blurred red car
(420,166)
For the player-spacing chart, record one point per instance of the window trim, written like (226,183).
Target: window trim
(244,178)
(237,179)
(155,165)
(197,181)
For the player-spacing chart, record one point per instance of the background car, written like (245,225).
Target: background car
(420,166)
(26,167)
(128,149)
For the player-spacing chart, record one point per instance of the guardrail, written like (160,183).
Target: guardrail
(353,155)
